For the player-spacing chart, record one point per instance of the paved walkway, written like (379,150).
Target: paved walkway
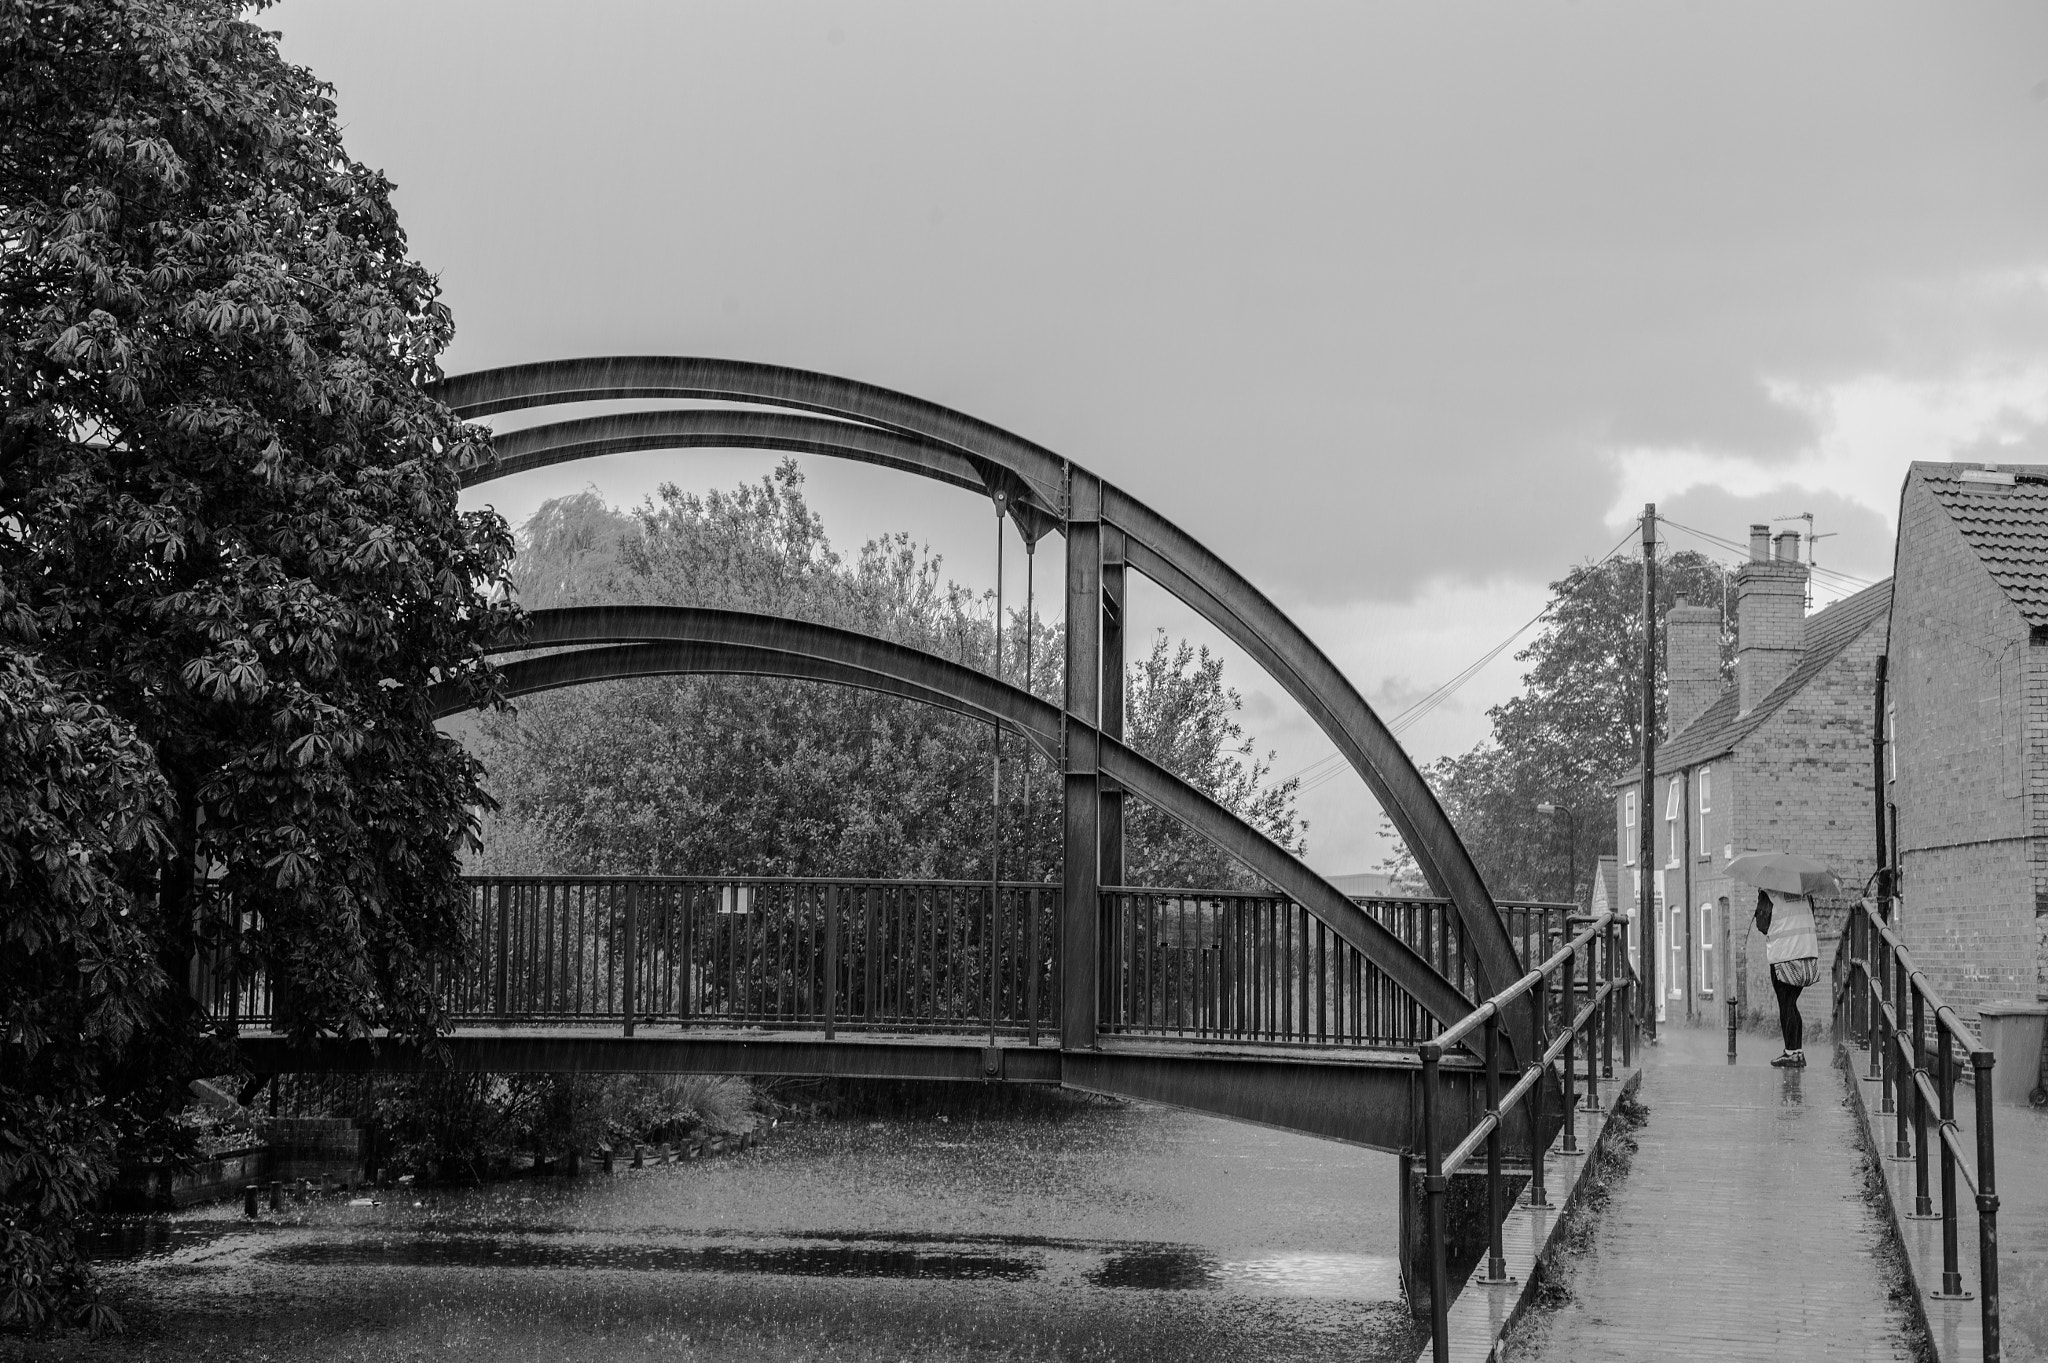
(1740,1231)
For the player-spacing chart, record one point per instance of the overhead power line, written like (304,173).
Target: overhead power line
(1332,765)
(1831,576)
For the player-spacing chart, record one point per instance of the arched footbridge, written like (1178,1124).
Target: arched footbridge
(1298,1007)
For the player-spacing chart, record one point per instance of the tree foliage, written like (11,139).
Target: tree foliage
(1575,729)
(718,776)
(231,569)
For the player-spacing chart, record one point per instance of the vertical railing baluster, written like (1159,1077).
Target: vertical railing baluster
(503,1000)
(1903,1143)
(1951,1266)
(1571,1099)
(632,963)
(1922,1204)
(1981,1062)
(1434,1188)
(1496,1256)
(1538,1194)
(1873,972)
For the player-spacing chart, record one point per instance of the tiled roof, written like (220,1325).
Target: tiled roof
(1720,728)
(2007,527)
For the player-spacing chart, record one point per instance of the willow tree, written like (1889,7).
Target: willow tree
(231,568)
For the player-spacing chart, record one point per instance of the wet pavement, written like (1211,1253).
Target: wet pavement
(1111,1232)
(1740,1231)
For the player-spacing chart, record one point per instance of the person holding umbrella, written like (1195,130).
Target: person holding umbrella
(1785,886)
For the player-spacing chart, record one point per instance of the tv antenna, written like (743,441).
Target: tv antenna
(1812,547)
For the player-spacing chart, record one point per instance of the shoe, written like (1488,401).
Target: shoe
(1799,1060)
(1790,1060)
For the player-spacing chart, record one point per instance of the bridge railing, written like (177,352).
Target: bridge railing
(1591,966)
(1884,1001)
(772,952)
(1260,969)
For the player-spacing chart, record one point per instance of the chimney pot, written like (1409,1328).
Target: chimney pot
(1770,627)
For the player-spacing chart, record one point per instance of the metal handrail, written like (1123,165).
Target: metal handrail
(1894,998)
(1599,1013)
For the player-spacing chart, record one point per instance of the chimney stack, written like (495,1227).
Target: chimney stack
(1692,663)
(1770,591)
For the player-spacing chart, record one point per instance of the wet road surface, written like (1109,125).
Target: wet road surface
(1110,1232)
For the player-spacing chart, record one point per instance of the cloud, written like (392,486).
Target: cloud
(1867,429)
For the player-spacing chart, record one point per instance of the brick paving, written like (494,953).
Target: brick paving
(1740,1231)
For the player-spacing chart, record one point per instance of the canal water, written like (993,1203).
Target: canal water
(1103,1232)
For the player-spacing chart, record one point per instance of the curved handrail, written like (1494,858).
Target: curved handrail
(1159,549)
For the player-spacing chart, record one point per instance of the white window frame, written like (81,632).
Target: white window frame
(1706,922)
(1628,828)
(1891,739)
(1674,807)
(1706,803)
(1675,979)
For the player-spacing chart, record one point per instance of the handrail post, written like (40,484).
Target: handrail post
(1902,1143)
(1570,1144)
(1981,1062)
(1923,1205)
(1496,1255)
(1873,997)
(1593,1024)
(1608,936)
(1951,1266)
(630,970)
(1860,975)
(1434,1186)
(1538,1195)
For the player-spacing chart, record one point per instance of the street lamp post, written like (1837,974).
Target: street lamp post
(1571,846)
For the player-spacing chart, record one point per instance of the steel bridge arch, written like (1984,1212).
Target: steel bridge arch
(644,641)
(1105,528)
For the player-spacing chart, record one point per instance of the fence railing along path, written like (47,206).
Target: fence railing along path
(1884,1001)
(892,956)
(1579,1039)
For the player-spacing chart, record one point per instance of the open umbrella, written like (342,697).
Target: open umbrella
(1785,872)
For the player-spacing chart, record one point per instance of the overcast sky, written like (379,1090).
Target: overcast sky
(1404,309)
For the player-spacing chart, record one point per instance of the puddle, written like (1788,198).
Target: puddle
(801,1261)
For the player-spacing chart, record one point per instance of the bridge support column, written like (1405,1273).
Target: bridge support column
(1112,705)
(1080,932)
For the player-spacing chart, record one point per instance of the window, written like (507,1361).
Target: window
(1706,804)
(1675,977)
(1673,805)
(1628,828)
(1706,951)
(1891,740)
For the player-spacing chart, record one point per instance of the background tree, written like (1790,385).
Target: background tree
(230,547)
(1573,731)
(748,776)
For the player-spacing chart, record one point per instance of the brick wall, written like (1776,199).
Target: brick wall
(1961,671)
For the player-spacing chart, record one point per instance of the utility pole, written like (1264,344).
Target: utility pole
(1646,846)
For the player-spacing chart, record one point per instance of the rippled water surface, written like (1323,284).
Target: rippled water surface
(1113,1233)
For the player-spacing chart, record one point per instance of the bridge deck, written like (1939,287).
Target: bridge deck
(1360,1095)
(1741,1231)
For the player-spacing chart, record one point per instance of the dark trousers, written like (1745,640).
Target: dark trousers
(1789,1021)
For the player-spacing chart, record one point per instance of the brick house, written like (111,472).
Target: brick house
(1967,707)
(1779,761)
